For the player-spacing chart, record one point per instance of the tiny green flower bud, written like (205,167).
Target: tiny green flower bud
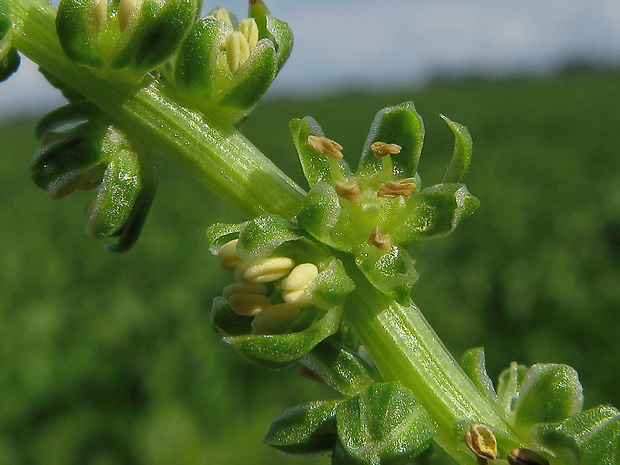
(228,255)
(276,319)
(295,284)
(246,299)
(265,270)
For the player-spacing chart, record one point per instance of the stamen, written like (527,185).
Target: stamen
(228,255)
(223,15)
(275,319)
(325,146)
(265,270)
(482,442)
(126,9)
(246,299)
(249,29)
(237,50)
(404,187)
(350,192)
(101,13)
(295,284)
(379,240)
(521,456)
(381,149)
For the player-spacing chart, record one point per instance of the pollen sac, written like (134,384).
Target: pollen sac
(81,149)
(9,59)
(223,68)
(264,270)
(247,299)
(296,283)
(276,319)
(126,39)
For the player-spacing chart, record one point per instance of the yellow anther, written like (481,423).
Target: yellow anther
(351,192)
(126,9)
(265,270)
(276,319)
(379,240)
(246,299)
(325,146)
(404,187)
(237,50)
(482,442)
(295,284)
(223,15)
(228,255)
(101,13)
(249,29)
(381,149)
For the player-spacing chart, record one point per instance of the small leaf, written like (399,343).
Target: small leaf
(341,368)
(550,393)
(282,350)
(305,431)
(399,125)
(591,437)
(382,425)
(474,365)
(461,158)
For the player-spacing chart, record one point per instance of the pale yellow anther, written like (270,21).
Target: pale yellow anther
(246,299)
(351,192)
(481,441)
(402,187)
(101,13)
(265,270)
(223,15)
(237,50)
(126,9)
(381,149)
(294,285)
(325,146)
(379,240)
(249,29)
(228,255)
(276,319)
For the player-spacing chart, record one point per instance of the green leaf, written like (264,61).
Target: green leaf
(382,425)
(591,437)
(341,368)
(474,365)
(434,212)
(549,393)
(305,431)
(260,237)
(282,350)
(461,157)
(391,272)
(399,125)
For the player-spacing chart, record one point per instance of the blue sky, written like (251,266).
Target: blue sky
(366,43)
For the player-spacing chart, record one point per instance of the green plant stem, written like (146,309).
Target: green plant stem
(399,340)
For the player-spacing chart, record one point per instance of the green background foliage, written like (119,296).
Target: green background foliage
(110,360)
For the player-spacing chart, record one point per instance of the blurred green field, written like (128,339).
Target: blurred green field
(110,360)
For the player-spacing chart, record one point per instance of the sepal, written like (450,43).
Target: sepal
(382,425)
(461,157)
(305,431)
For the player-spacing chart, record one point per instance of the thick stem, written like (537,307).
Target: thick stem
(399,339)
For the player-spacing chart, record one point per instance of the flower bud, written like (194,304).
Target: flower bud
(276,319)
(128,38)
(93,153)
(223,70)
